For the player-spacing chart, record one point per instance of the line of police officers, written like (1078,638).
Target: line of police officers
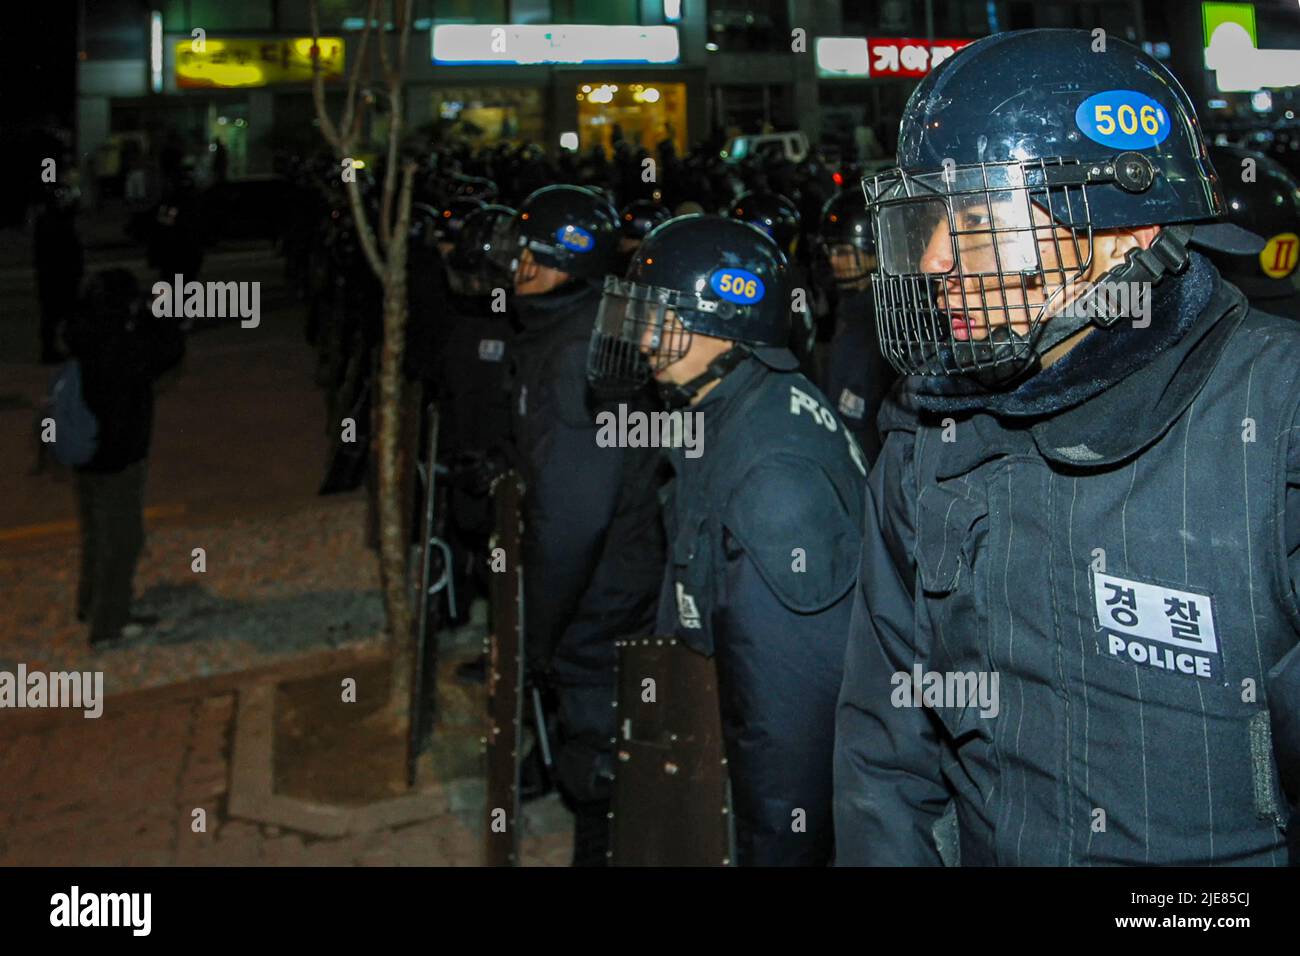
(1096,507)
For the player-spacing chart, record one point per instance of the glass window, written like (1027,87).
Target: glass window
(484,114)
(530,11)
(641,114)
(597,11)
(740,25)
(116,31)
(294,15)
(955,18)
(215,16)
(176,18)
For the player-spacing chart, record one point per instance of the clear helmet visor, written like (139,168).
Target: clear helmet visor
(473,282)
(971,261)
(844,263)
(637,333)
(971,220)
(506,245)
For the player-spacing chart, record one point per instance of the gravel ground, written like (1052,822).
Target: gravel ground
(274,587)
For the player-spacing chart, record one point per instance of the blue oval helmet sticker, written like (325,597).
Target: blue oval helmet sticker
(737,285)
(575,238)
(1123,119)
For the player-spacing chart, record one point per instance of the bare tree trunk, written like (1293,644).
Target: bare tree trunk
(386,254)
(394,518)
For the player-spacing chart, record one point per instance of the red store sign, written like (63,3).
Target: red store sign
(904,56)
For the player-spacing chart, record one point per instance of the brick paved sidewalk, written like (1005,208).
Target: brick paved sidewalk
(122,790)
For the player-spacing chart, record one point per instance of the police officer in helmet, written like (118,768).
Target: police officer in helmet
(777,216)
(593,549)
(449,222)
(471,376)
(1091,519)
(857,376)
(635,222)
(1263,198)
(763,519)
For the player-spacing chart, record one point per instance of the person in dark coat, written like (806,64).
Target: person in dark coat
(857,376)
(593,542)
(763,512)
(123,350)
(1076,630)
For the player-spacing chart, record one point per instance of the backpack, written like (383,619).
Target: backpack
(76,430)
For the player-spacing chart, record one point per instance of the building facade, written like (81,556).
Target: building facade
(207,72)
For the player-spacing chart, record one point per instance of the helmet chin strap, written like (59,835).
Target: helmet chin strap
(1167,255)
(677,395)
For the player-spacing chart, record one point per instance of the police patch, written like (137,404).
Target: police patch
(687,611)
(1156,626)
(1123,119)
(575,238)
(851,405)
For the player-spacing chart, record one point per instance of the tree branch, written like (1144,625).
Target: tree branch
(396,120)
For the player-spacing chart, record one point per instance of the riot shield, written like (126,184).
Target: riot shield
(505,676)
(670,779)
(435,565)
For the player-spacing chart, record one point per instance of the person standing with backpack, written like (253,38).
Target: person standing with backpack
(122,349)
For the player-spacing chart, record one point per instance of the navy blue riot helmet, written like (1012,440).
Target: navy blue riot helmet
(1011,153)
(846,248)
(448,222)
(1263,197)
(640,216)
(771,212)
(712,275)
(569,228)
(471,267)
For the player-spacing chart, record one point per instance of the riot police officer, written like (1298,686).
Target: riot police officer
(593,548)
(471,376)
(451,220)
(778,217)
(857,376)
(1076,619)
(1264,198)
(635,222)
(763,522)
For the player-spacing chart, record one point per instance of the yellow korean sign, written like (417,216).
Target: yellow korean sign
(224,63)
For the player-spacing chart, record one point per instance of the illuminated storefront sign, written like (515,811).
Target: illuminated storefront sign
(224,63)
(858,57)
(1231,51)
(463,44)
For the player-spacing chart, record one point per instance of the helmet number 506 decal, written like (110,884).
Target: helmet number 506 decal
(737,285)
(1123,119)
(575,238)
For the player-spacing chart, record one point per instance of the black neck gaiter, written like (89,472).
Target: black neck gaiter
(1101,359)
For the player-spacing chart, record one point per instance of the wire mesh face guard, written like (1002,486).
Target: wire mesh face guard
(476,278)
(507,243)
(846,263)
(971,260)
(639,331)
